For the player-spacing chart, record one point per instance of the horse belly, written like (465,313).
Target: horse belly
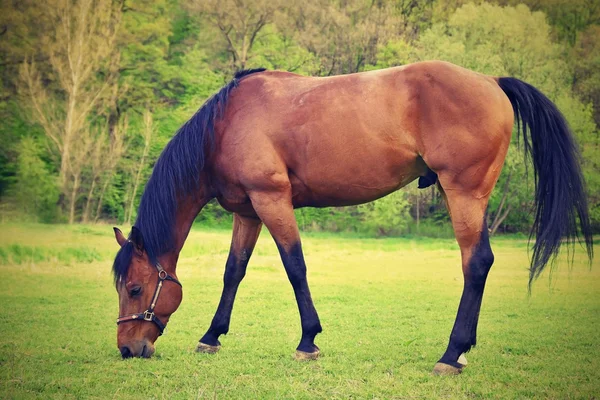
(349,179)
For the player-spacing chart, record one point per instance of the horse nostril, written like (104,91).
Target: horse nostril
(125,352)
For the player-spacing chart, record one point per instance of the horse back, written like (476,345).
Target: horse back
(348,139)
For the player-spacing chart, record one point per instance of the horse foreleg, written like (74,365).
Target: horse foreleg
(275,209)
(468,219)
(245,235)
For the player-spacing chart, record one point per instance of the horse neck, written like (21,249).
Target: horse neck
(187,210)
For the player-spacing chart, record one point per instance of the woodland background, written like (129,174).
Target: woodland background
(92,90)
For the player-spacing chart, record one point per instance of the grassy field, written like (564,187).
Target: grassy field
(386,306)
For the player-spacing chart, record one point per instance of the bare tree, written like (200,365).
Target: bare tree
(239,22)
(78,157)
(501,213)
(115,150)
(96,164)
(80,46)
(343,36)
(148,131)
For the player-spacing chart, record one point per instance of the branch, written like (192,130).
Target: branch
(259,25)
(31,81)
(87,107)
(22,60)
(225,33)
(499,222)
(504,196)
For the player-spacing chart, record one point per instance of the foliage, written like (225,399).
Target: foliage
(169,56)
(585,61)
(386,216)
(35,192)
(513,41)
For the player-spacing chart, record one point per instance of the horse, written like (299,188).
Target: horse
(272,141)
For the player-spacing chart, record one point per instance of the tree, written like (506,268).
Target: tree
(586,61)
(147,133)
(513,41)
(147,77)
(115,150)
(388,215)
(278,49)
(568,18)
(239,23)
(78,158)
(97,153)
(344,36)
(36,191)
(80,48)
(512,200)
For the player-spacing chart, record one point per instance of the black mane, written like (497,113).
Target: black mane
(176,174)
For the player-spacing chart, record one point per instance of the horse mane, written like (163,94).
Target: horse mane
(176,175)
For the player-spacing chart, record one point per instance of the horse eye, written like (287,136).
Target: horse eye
(135,291)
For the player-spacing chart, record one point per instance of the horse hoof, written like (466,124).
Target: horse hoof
(445,369)
(463,360)
(206,348)
(303,355)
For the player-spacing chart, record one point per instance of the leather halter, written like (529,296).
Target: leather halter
(149,315)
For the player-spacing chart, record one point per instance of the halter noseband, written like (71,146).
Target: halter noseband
(149,315)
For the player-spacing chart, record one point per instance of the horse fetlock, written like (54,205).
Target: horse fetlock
(210,338)
(307,344)
(311,329)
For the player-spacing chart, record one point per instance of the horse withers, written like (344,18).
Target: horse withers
(271,141)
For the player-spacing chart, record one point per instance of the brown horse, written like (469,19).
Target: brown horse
(271,141)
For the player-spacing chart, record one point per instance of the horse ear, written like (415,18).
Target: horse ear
(119,236)
(137,239)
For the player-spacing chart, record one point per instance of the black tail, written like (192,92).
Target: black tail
(560,191)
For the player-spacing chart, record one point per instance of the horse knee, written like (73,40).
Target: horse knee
(480,264)
(233,277)
(235,269)
(295,268)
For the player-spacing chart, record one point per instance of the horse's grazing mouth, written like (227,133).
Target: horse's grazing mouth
(146,352)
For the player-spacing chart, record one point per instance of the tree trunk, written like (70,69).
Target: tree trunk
(147,138)
(68,134)
(101,199)
(498,221)
(499,216)
(62,176)
(136,183)
(73,199)
(418,211)
(86,212)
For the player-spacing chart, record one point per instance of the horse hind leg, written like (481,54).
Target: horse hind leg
(274,207)
(467,211)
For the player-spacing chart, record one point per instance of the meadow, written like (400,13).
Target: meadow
(386,305)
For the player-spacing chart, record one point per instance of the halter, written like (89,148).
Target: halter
(149,315)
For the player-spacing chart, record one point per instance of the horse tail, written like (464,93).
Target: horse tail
(559,186)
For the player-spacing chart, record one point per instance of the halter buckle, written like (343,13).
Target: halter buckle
(162,274)
(148,315)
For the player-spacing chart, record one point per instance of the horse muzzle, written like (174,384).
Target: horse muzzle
(143,349)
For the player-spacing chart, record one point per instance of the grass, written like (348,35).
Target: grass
(387,307)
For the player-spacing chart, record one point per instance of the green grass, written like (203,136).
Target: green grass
(386,306)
